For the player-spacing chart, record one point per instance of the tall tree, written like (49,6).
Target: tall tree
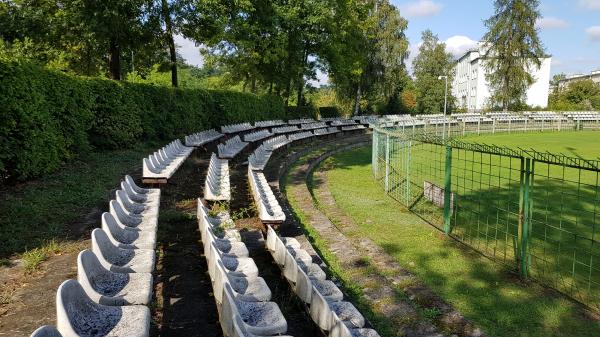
(513,48)
(166,14)
(432,62)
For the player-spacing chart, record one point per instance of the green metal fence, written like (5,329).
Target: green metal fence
(537,213)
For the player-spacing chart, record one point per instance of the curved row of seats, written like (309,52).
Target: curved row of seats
(322,297)
(235,128)
(163,163)
(257,136)
(114,280)
(202,138)
(242,296)
(269,210)
(217,184)
(231,147)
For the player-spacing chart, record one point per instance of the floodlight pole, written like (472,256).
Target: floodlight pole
(445,104)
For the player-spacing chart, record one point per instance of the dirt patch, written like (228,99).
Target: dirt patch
(183,303)
(29,299)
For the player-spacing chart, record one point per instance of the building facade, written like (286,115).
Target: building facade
(594,76)
(472,90)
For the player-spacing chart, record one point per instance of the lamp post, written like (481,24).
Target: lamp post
(445,104)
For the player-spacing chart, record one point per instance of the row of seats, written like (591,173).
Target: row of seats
(300,135)
(235,128)
(217,184)
(231,148)
(242,296)
(114,280)
(201,138)
(323,298)
(257,136)
(343,122)
(353,127)
(326,131)
(269,210)
(269,124)
(285,129)
(300,121)
(163,163)
(312,126)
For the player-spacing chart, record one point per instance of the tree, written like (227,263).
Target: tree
(513,48)
(578,95)
(432,62)
(166,14)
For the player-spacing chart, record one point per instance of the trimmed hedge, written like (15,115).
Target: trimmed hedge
(48,117)
(329,112)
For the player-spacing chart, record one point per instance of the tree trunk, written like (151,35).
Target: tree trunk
(357,101)
(114,60)
(301,75)
(170,41)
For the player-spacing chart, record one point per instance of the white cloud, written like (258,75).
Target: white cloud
(420,8)
(457,45)
(590,4)
(188,49)
(593,33)
(551,23)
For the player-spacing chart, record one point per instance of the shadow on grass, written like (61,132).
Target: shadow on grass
(493,296)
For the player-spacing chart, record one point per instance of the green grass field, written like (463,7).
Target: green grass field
(565,211)
(483,291)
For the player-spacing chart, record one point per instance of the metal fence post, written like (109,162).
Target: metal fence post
(375,154)
(447,191)
(525,205)
(387,163)
(408,149)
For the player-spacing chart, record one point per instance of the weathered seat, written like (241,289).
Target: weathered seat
(251,289)
(239,329)
(143,223)
(134,207)
(78,315)
(217,185)
(226,246)
(125,236)
(109,288)
(327,313)
(121,260)
(341,330)
(46,331)
(303,288)
(238,266)
(259,318)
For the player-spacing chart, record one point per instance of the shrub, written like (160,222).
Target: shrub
(49,117)
(329,112)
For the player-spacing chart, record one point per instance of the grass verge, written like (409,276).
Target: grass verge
(38,212)
(483,291)
(382,324)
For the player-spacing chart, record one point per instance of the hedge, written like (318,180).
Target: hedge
(49,117)
(329,112)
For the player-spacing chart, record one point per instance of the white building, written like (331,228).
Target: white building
(594,76)
(471,88)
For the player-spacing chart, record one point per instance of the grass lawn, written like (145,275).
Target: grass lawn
(481,290)
(37,213)
(583,144)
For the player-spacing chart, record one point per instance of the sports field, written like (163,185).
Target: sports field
(557,198)
(482,290)
(583,144)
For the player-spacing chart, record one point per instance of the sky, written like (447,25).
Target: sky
(569,30)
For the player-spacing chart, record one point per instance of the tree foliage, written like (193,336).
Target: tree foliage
(578,95)
(432,62)
(513,50)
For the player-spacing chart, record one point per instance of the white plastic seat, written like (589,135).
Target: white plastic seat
(291,265)
(78,315)
(251,289)
(134,207)
(150,192)
(143,223)
(299,254)
(304,284)
(217,184)
(214,223)
(239,329)
(259,318)
(125,236)
(226,246)
(327,313)
(46,331)
(341,330)
(121,260)
(238,266)
(109,288)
